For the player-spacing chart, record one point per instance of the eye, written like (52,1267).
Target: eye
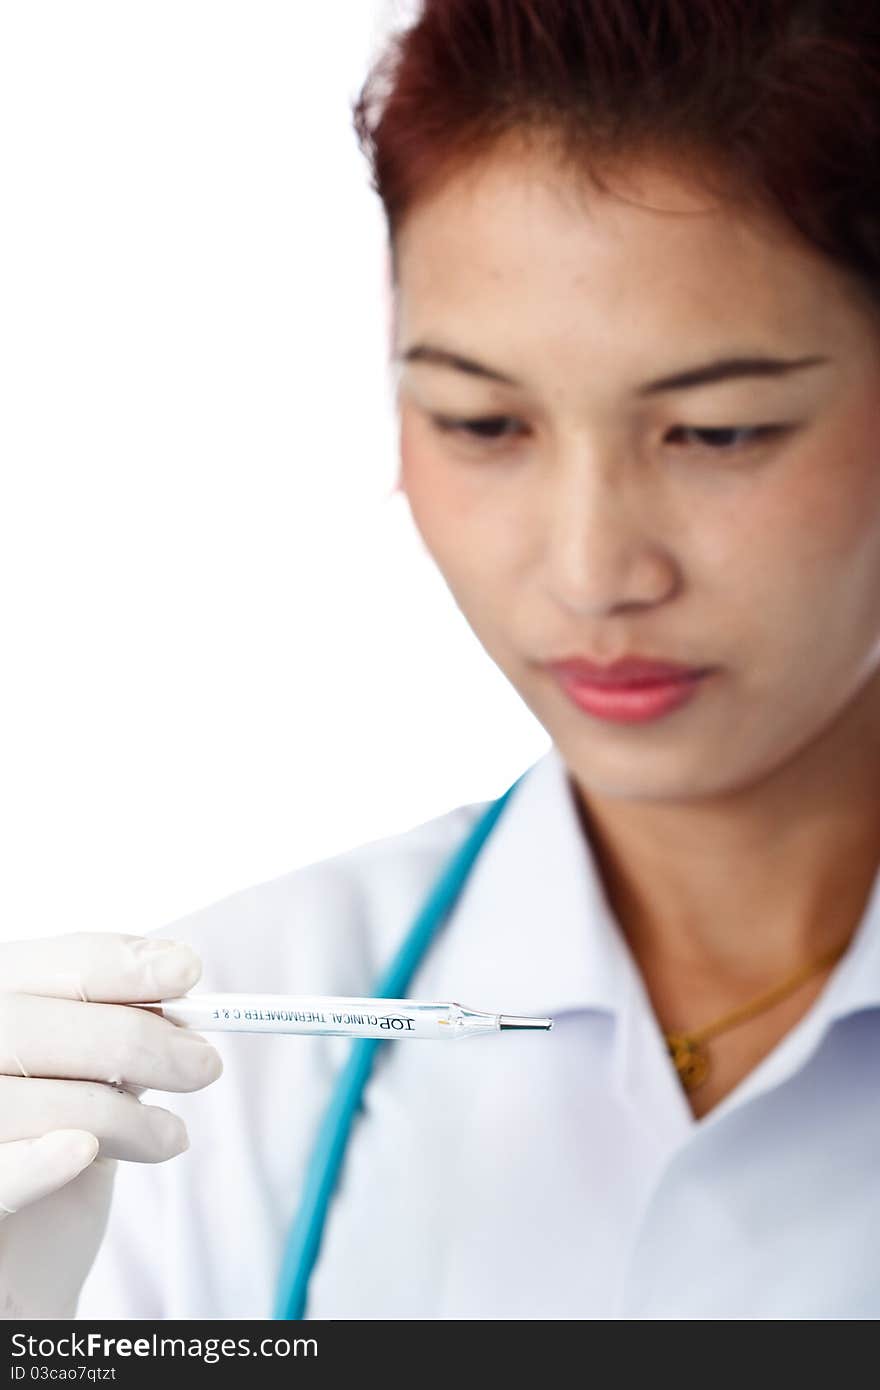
(488,429)
(722,439)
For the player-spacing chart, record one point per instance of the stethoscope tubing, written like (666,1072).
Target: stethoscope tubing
(306,1230)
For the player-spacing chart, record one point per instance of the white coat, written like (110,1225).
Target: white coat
(535,1175)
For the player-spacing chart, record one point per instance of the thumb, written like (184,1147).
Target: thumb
(32,1168)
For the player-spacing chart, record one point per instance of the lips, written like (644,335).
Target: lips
(634,690)
(632,671)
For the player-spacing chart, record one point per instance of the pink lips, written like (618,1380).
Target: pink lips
(632,690)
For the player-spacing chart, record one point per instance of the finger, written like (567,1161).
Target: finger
(111,967)
(64,1038)
(124,1126)
(32,1168)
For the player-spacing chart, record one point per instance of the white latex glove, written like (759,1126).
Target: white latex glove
(62,1016)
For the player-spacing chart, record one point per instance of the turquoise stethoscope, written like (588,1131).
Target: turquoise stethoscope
(304,1237)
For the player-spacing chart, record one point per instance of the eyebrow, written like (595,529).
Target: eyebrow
(723,369)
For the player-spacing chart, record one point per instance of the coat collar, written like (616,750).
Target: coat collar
(533,931)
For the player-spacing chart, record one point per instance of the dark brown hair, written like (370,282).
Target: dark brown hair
(781,98)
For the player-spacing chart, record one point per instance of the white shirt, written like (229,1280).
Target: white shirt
(535,1175)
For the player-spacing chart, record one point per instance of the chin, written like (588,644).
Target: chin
(666,776)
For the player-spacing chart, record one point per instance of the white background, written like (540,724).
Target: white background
(226,652)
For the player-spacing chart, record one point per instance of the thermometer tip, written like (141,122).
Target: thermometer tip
(511,1021)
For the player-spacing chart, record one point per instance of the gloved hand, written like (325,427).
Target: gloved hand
(73,1062)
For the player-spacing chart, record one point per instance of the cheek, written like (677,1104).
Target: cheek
(475,542)
(840,554)
(427,487)
(823,521)
(442,497)
(796,562)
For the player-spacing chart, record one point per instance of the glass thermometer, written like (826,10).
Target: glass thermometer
(340,1016)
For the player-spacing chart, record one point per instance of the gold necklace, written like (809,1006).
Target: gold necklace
(688,1054)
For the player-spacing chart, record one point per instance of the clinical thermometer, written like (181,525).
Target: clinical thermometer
(339,1016)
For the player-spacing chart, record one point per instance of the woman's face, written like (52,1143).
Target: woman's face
(593,518)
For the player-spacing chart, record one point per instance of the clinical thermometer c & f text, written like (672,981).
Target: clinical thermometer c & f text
(323,1015)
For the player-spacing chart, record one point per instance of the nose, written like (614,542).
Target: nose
(603,551)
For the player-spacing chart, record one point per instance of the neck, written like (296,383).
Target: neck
(756,881)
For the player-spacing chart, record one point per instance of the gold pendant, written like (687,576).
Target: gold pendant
(689,1060)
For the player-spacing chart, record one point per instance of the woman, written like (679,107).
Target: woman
(635,256)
